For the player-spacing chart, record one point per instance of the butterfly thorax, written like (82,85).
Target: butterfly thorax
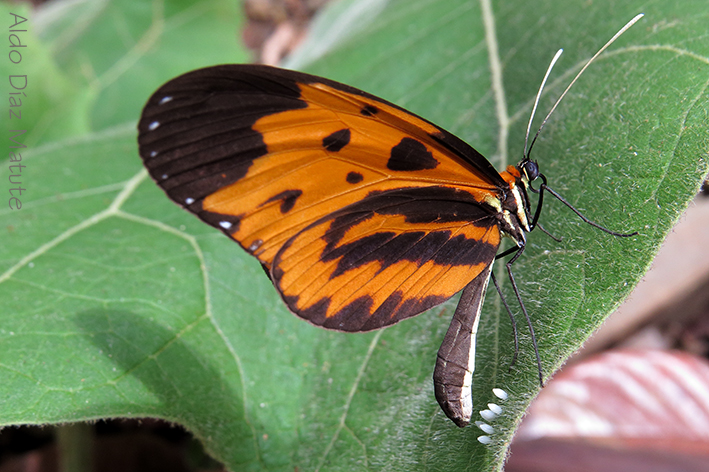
(513,213)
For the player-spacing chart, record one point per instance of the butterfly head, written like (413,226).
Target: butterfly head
(529,170)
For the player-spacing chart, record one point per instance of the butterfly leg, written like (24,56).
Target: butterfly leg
(455,364)
(524,310)
(512,318)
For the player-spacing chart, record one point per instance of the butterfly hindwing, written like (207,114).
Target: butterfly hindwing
(388,257)
(282,161)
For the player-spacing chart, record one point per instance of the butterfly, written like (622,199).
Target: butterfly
(361,213)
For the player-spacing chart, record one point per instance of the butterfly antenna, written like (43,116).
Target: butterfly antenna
(605,46)
(536,100)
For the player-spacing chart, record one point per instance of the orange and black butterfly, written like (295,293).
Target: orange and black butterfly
(361,213)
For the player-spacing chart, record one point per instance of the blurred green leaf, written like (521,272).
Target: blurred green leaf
(93,63)
(116,303)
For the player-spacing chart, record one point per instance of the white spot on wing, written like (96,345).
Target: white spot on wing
(190,201)
(164,100)
(225,224)
(153,125)
(153,153)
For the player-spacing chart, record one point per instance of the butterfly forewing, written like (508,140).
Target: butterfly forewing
(262,153)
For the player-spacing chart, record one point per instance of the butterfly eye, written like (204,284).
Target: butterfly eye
(532,170)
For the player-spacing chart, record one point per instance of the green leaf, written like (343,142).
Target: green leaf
(116,303)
